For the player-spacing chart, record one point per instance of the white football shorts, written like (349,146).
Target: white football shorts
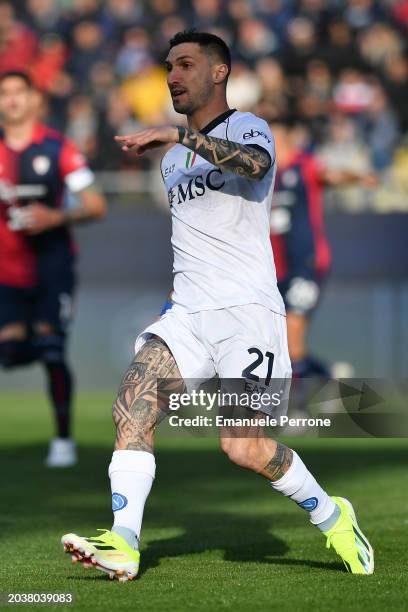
(246,342)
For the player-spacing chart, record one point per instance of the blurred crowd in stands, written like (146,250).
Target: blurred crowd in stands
(340,66)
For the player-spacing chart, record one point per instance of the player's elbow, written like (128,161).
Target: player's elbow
(258,174)
(260,162)
(262,173)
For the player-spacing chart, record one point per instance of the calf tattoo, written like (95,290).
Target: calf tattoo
(251,161)
(280,462)
(142,400)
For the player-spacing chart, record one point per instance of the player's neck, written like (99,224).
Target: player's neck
(204,116)
(18,135)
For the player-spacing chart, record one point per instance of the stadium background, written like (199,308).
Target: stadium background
(340,66)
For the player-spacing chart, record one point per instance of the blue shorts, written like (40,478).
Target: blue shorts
(301,293)
(50,301)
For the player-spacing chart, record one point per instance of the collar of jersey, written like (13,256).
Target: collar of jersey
(220,119)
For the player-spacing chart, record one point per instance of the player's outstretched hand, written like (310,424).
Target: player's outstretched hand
(148,139)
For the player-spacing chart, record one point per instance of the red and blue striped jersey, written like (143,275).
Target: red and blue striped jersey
(297,228)
(38,172)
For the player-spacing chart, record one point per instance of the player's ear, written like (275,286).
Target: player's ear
(220,72)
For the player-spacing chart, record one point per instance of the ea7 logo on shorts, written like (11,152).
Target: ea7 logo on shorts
(254,134)
(119,501)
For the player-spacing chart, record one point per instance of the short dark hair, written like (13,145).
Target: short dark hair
(19,74)
(210,43)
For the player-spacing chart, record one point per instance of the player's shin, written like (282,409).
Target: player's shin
(50,349)
(295,481)
(60,388)
(131,474)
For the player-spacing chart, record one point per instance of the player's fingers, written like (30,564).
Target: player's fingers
(134,148)
(141,141)
(137,140)
(129,147)
(129,144)
(145,140)
(124,138)
(132,138)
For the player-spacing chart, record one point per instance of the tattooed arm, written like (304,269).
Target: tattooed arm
(251,161)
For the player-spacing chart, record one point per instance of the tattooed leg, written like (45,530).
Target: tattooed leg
(279,464)
(142,400)
(250,448)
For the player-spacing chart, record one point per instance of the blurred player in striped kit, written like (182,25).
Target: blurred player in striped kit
(300,246)
(37,254)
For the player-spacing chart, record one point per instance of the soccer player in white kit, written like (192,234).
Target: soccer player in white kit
(226,316)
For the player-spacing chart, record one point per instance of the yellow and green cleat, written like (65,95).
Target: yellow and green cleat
(108,552)
(349,542)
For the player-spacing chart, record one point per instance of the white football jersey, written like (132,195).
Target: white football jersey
(222,250)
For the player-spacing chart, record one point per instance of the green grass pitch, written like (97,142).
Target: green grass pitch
(215,537)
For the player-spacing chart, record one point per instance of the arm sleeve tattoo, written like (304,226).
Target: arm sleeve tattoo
(250,161)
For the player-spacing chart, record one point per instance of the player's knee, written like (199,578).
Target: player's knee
(50,348)
(13,353)
(13,331)
(240,451)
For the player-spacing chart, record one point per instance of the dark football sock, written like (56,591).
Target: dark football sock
(60,389)
(309,367)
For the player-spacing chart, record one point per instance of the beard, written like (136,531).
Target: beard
(184,107)
(188,104)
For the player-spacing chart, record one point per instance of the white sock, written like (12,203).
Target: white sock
(131,474)
(299,484)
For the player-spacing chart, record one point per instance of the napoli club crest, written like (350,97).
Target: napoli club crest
(41,164)
(119,501)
